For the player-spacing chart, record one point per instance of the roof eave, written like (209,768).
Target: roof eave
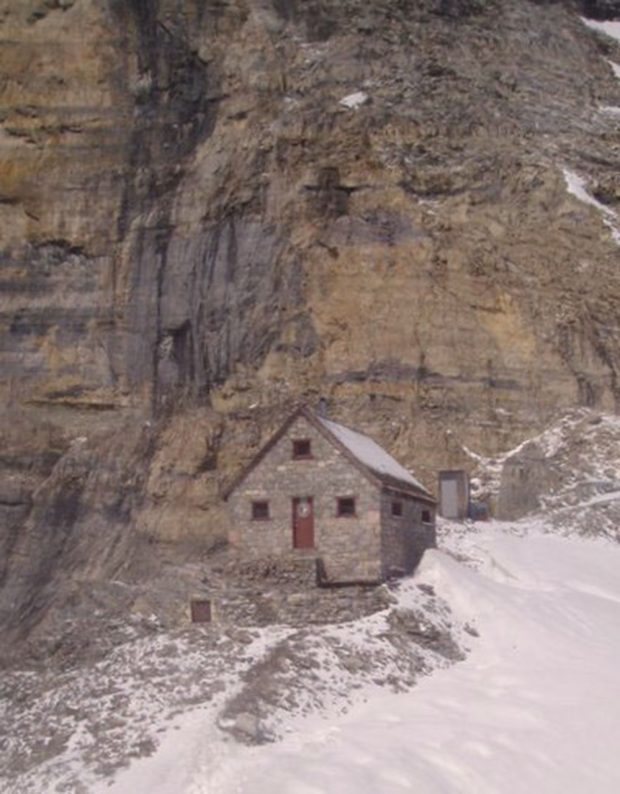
(376,478)
(399,486)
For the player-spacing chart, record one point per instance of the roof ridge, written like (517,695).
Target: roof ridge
(377,464)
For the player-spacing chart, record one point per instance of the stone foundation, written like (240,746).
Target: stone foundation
(269,590)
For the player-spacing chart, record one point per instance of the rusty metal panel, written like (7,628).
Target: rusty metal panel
(201,611)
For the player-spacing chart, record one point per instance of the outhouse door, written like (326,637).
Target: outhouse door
(303,522)
(449,499)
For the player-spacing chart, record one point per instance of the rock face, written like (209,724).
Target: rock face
(601,9)
(196,232)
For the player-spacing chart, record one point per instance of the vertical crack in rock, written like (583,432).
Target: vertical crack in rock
(175,110)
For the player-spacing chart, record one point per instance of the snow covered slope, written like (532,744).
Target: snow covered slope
(533,708)
(493,670)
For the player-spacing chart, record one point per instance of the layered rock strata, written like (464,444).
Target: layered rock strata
(210,210)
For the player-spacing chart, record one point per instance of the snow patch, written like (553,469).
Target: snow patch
(602,499)
(355,101)
(608,27)
(576,186)
(615,67)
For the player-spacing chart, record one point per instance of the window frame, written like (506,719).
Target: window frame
(299,456)
(396,503)
(429,517)
(254,504)
(339,511)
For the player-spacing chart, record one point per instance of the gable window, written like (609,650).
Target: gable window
(346,506)
(260,511)
(302,448)
(397,509)
(426,517)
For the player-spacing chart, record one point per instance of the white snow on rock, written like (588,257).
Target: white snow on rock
(354,101)
(608,27)
(486,481)
(370,454)
(615,68)
(576,186)
(581,454)
(488,474)
(601,499)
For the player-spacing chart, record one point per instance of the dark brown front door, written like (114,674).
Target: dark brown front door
(303,522)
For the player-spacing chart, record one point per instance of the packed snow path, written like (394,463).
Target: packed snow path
(534,708)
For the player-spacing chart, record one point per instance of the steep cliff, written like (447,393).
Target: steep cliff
(210,209)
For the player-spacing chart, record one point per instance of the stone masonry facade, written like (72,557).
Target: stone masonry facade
(349,547)
(369,546)
(404,538)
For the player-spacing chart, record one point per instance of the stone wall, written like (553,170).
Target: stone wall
(526,475)
(329,605)
(404,538)
(268,590)
(349,547)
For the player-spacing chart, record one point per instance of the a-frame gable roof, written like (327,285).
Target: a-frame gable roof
(364,453)
(262,452)
(374,458)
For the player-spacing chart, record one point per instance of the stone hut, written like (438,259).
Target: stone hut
(318,489)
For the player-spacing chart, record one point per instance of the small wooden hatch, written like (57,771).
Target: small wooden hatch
(201,610)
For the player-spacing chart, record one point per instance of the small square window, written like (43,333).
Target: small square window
(426,517)
(397,509)
(302,448)
(260,511)
(346,506)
